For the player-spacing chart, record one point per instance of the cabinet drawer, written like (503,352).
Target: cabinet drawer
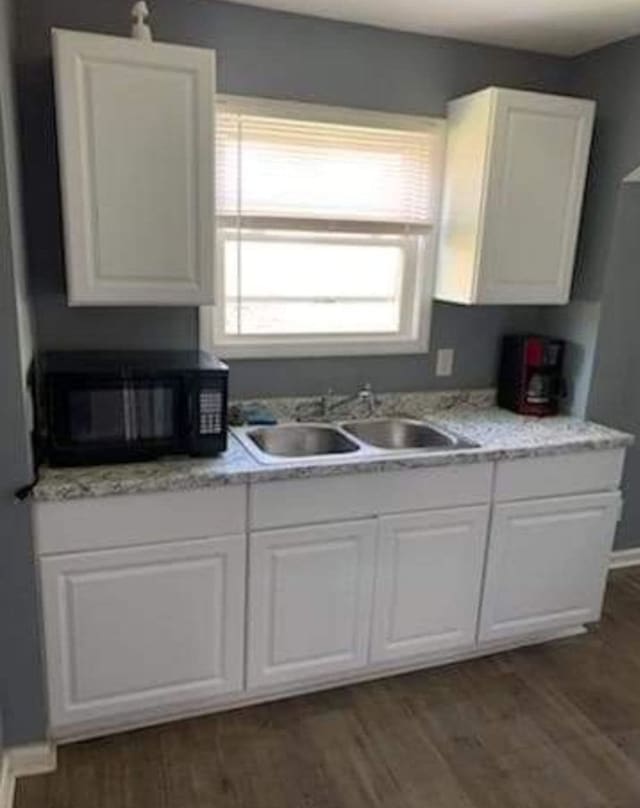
(92,524)
(353,496)
(441,487)
(320,499)
(559,474)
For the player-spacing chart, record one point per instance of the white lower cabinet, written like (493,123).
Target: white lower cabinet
(428,582)
(142,629)
(547,564)
(144,623)
(310,594)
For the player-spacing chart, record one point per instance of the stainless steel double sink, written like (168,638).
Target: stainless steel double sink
(375,436)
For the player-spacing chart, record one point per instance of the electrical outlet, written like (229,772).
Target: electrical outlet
(444,362)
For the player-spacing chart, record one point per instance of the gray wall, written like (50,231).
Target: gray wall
(260,53)
(615,388)
(576,323)
(603,319)
(21,696)
(282,56)
(612,257)
(610,75)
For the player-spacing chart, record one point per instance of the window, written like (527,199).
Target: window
(325,230)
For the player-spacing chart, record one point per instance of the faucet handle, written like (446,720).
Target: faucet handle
(325,402)
(367,395)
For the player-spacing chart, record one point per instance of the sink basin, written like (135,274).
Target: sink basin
(402,433)
(371,438)
(300,440)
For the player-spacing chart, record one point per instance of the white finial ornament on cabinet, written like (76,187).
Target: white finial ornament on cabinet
(140,29)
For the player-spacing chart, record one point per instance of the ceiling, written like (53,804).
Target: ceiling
(562,27)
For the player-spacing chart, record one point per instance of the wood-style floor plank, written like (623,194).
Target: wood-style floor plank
(554,726)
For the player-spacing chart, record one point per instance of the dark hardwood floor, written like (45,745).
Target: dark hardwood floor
(555,726)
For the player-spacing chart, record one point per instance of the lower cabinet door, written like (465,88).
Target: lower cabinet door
(142,629)
(547,564)
(310,591)
(428,582)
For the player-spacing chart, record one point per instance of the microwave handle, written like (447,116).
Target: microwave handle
(192,408)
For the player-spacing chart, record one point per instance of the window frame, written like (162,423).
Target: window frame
(419,272)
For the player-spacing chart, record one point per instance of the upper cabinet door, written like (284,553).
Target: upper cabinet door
(136,145)
(514,181)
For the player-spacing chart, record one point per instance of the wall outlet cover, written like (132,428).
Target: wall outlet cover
(444,362)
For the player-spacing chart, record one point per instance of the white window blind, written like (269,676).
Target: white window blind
(287,170)
(324,219)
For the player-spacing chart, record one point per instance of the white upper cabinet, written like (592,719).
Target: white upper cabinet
(136,147)
(515,171)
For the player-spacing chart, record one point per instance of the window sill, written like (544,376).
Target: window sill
(308,349)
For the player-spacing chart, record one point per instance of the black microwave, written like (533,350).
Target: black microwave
(116,407)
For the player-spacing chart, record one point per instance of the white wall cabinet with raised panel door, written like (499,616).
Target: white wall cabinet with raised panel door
(429,574)
(142,630)
(547,564)
(136,148)
(310,595)
(515,172)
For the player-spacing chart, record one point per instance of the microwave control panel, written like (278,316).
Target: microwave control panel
(210,412)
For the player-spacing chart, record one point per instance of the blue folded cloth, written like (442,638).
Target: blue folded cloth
(256,415)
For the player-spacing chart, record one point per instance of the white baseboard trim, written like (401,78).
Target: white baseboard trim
(21,761)
(7,782)
(625,558)
(33,758)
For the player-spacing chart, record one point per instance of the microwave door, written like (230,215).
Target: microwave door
(98,415)
(122,419)
(154,412)
(129,414)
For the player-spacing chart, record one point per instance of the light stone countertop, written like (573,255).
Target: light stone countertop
(501,435)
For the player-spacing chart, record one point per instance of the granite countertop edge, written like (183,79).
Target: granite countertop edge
(239,467)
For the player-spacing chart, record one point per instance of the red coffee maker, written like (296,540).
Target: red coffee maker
(530,380)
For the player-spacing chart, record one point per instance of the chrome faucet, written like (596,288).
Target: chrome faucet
(323,406)
(367,397)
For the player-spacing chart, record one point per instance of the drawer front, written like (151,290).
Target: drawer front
(104,522)
(444,487)
(556,475)
(354,496)
(320,499)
